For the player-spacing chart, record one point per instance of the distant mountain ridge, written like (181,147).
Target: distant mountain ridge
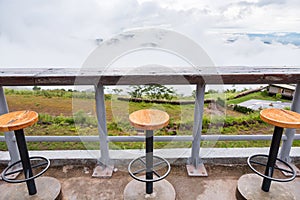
(284,38)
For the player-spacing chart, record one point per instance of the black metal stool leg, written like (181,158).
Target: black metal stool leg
(20,138)
(272,158)
(149,160)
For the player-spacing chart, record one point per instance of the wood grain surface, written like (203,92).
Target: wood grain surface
(149,119)
(149,74)
(17,120)
(281,118)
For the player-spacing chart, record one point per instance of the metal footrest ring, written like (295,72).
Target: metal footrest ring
(6,172)
(157,178)
(251,161)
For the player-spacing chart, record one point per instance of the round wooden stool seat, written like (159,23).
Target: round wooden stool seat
(149,119)
(17,120)
(281,118)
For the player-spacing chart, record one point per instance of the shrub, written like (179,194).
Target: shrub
(278,96)
(82,118)
(113,126)
(220,102)
(242,109)
(60,120)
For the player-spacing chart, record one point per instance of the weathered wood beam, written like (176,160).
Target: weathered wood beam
(148,75)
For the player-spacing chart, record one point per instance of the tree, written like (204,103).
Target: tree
(117,91)
(152,91)
(136,91)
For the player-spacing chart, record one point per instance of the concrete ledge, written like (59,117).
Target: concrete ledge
(175,156)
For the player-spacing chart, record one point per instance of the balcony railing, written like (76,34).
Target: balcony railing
(200,76)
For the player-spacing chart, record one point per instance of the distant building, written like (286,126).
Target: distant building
(284,89)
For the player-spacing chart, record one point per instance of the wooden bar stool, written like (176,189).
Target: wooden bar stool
(16,121)
(149,120)
(280,119)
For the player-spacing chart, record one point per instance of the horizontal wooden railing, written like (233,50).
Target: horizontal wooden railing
(155,73)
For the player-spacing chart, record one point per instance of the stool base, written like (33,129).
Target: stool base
(162,190)
(249,187)
(47,188)
(281,165)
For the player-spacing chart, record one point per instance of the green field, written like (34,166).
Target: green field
(60,114)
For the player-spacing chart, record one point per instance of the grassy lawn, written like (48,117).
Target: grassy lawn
(256,95)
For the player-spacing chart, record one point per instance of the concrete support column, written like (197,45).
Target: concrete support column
(9,136)
(105,165)
(290,133)
(195,165)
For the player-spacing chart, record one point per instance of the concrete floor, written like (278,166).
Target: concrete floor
(77,183)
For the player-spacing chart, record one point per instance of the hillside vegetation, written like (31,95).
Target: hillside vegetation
(73,113)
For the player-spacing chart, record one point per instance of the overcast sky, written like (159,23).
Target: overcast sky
(62,33)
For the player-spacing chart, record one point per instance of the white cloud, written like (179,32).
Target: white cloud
(247,52)
(270,2)
(63,32)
